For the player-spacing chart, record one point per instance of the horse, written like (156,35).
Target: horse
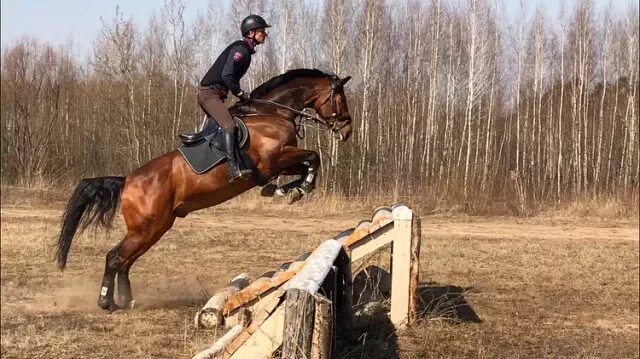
(152,196)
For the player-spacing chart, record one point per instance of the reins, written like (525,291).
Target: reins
(309,116)
(334,123)
(329,124)
(299,127)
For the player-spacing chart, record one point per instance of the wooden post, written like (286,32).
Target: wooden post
(344,290)
(323,328)
(401,266)
(303,298)
(329,318)
(310,333)
(299,322)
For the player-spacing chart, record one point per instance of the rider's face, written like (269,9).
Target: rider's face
(260,35)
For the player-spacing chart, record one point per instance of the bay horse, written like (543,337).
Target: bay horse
(155,194)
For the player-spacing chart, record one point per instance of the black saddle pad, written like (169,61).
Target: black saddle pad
(207,154)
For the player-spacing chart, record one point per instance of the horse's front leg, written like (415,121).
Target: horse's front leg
(296,161)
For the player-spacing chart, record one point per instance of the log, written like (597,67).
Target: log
(360,247)
(220,344)
(256,290)
(381,217)
(210,316)
(354,237)
(315,270)
(382,211)
(257,306)
(342,236)
(364,225)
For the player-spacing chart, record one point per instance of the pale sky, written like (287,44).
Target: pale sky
(60,21)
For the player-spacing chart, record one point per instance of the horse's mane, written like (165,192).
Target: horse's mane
(279,80)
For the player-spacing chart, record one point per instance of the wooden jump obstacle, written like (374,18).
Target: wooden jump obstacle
(295,309)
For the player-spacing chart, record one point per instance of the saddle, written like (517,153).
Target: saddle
(205,149)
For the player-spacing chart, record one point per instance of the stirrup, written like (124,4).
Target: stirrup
(236,173)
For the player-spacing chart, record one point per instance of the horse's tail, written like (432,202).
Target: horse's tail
(95,200)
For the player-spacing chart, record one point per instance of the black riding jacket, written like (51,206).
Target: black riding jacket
(229,67)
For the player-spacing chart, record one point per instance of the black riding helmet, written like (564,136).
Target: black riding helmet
(252,22)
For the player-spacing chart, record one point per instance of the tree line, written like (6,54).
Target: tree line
(455,99)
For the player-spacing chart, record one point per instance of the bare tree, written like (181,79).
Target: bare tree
(447,97)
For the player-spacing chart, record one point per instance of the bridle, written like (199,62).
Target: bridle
(331,123)
(334,119)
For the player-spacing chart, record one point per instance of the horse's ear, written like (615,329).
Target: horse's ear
(344,81)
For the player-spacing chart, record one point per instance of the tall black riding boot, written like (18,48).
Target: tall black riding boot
(235,171)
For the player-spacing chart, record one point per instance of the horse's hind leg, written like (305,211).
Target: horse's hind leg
(105,300)
(125,296)
(114,264)
(130,254)
(121,258)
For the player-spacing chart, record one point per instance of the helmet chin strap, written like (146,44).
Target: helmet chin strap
(253,39)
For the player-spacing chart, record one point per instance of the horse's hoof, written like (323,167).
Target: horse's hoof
(268,190)
(127,304)
(126,301)
(294,195)
(114,308)
(109,308)
(104,304)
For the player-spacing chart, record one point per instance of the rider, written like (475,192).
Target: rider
(224,76)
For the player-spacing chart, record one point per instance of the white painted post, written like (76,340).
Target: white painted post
(401,266)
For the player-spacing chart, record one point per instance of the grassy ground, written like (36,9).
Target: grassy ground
(548,286)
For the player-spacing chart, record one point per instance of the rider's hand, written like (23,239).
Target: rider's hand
(243,96)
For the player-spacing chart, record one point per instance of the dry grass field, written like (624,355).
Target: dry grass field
(493,287)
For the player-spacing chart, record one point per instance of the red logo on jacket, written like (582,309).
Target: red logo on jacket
(237,56)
